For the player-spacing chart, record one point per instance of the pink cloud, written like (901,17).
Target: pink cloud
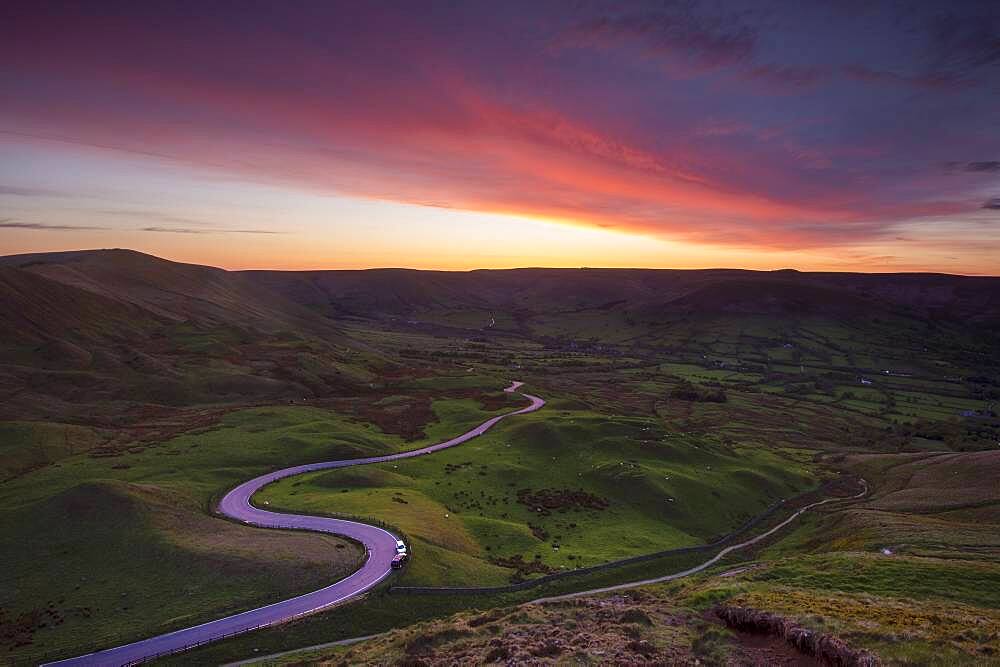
(418,123)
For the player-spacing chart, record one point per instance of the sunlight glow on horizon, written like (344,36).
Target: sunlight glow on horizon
(101,198)
(628,135)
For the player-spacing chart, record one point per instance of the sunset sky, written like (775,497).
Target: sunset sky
(816,135)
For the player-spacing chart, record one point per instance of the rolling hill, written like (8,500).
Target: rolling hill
(119,330)
(685,401)
(403,292)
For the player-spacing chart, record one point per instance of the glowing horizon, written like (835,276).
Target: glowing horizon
(643,136)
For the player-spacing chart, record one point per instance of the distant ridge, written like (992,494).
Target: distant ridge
(282,298)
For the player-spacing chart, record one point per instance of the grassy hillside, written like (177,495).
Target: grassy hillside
(911,605)
(136,390)
(106,547)
(912,572)
(555,490)
(110,339)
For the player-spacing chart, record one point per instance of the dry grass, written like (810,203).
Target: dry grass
(939,483)
(637,628)
(879,622)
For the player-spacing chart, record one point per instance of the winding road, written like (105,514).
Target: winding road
(380,546)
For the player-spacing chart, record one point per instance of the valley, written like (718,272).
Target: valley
(679,405)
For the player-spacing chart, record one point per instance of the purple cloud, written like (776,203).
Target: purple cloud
(41,226)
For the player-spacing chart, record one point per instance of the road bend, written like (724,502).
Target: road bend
(380,547)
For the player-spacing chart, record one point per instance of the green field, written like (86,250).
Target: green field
(112,548)
(617,487)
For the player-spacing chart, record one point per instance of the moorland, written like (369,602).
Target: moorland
(135,391)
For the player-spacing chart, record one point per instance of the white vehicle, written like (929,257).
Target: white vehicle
(400,547)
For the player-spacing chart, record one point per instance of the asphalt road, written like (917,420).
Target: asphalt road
(380,545)
(593,591)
